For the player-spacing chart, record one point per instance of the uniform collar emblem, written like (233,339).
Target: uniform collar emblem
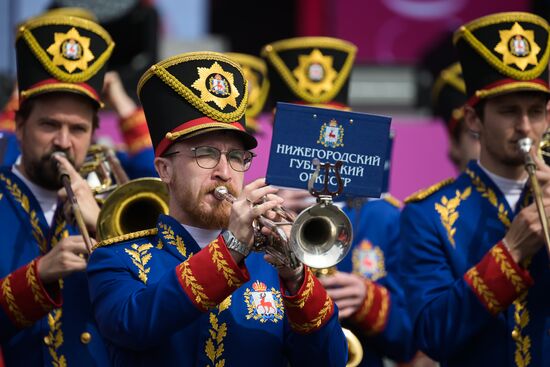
(263,304)
(315,73)
(216,85)
(71,50)
(517,46)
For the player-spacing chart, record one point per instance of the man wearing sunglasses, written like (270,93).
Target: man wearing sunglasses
(190,292)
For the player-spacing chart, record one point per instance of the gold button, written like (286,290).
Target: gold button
(47,340)
(515,334)
(85,337)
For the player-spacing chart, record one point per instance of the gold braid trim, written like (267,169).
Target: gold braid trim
(482,290)
(45,60)
(60,86)
(367,303)
(488,193)
(507,270)
(198,291)
(214,347)
(301,301)
(222,265)
(176,241)
(270,52)
(55,338)
(447,211)
(140,256)
(126,237)
(383,312)
(22,199)
(424,193)
(32,281)
(12,305)
(522,355)
(316,322)
(393,201)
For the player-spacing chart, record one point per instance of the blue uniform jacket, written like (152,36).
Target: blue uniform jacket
(40,328)
(470,303)
(383,326)
(161,301)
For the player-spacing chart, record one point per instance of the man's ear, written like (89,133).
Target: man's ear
(472,120)
(164,169)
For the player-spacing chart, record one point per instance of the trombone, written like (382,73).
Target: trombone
(525,145)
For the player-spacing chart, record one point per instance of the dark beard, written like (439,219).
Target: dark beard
(44,172)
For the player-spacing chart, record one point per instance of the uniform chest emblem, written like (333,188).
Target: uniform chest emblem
(368,261)
(263,304)
(331,135)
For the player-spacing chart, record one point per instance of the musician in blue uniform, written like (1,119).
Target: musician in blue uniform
(315,71)
(189,292)
(45,313)
(475,269)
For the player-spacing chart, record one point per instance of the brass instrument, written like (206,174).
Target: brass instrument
(525,145)
(103,171)
(132,207)
(75,208)
(543,150)
(320,235)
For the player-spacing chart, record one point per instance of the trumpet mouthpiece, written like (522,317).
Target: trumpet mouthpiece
(525,145)
(221,192)
(61,170)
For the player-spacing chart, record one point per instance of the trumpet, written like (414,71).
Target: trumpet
(75,208)
(525,145)
(320,235)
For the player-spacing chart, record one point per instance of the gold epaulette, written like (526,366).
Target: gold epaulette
(393,201)
(424,193)
(126,237)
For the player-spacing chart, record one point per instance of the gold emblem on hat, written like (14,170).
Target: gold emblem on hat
(71,50)
(315,73)
(216,85)
(517,46)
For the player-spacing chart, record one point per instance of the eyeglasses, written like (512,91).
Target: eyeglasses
(209,157)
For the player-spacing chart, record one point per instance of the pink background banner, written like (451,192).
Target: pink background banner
(400,31)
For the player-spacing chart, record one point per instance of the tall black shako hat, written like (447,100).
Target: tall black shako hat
(503,53)
(57,53)
(194,93)
(310,70)
(255,72)
(449,96)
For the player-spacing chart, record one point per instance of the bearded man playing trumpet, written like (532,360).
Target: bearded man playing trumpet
(190,292)
(45,313)
(475,265)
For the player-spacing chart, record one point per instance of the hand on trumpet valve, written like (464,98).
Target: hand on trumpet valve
(82,192)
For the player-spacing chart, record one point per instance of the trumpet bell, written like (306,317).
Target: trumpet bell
(132,207)
(321,235)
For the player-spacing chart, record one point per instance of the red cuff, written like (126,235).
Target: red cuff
(372,316)
(310,308)
(24,298)
(497,280)
(211,275)
(135,132)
